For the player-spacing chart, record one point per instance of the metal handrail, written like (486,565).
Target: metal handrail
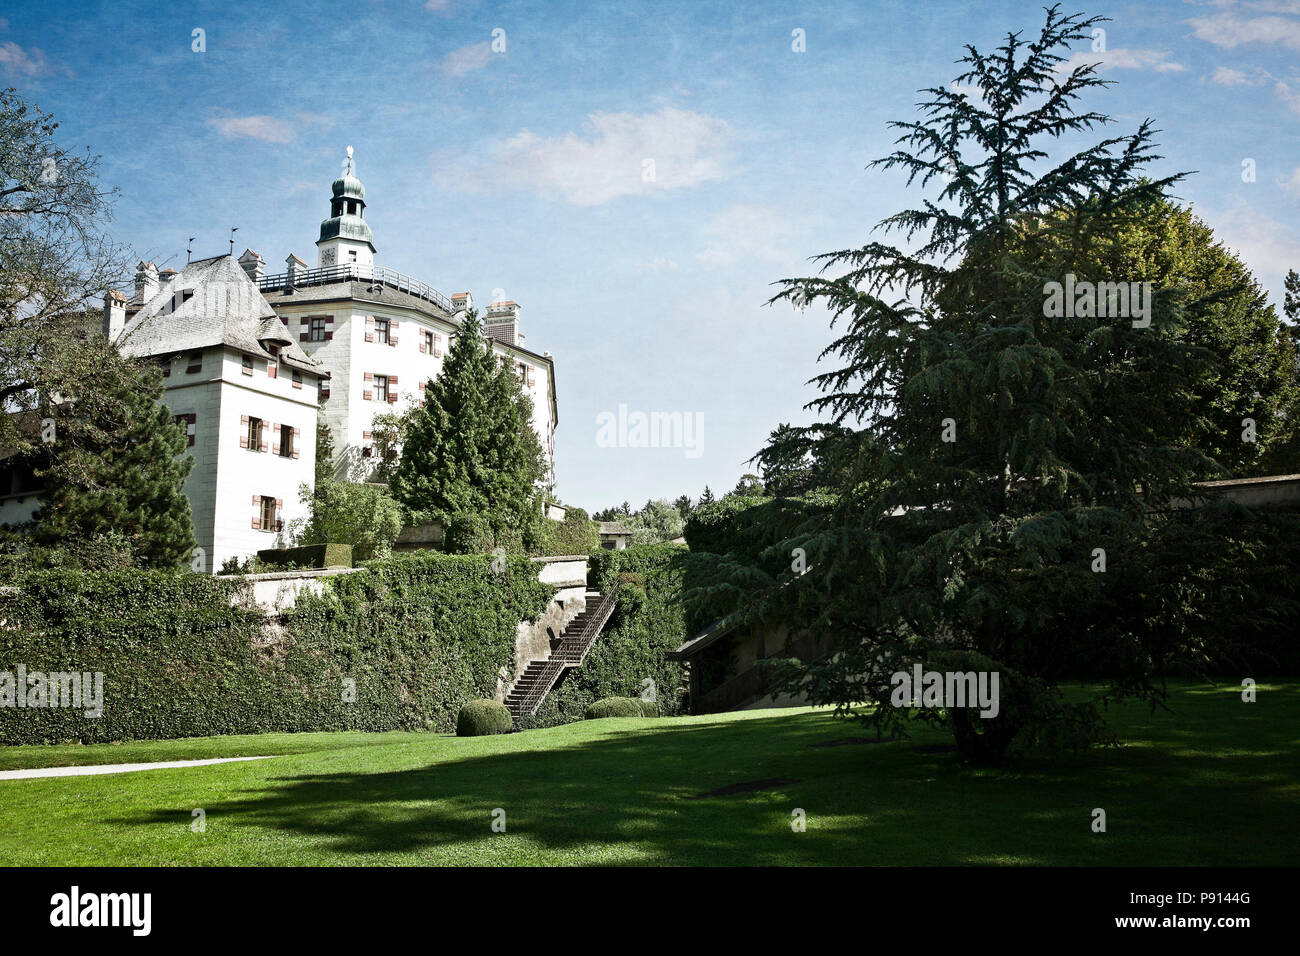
(571,652)
(388,277)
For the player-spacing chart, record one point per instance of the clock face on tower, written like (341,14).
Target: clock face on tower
(327,257)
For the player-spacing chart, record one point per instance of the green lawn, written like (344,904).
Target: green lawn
(1213,782)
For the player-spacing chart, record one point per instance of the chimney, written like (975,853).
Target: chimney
(293,268)
(114,314)
(502,323)
(253,265)
(146,282)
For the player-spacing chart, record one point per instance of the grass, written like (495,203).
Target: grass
(1215,782)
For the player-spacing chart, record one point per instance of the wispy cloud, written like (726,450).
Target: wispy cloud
(1123,59)
(1292,185)
(616,154)
(32,62)
(467,59)
(1238,28)
(268,129)
(749,233)
(1290,98)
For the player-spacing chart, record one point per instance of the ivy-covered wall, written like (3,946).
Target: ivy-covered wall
(647,622)
(415,635)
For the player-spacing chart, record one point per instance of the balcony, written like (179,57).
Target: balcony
(352,272)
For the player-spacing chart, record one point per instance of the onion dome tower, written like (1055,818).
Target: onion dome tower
(345,237)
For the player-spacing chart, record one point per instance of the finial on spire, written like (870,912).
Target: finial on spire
(349,167)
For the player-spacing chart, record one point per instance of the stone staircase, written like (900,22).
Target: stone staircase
(528,692)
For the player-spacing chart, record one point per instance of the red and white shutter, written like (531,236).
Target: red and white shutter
(257,512)
(367,394)
(370,328)
(392,390)
(243,431)
(392,332)
(279,507)
(297,434)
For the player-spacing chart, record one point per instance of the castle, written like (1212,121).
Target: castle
(252,361)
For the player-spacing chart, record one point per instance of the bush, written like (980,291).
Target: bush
(576,534)
(363,516)
(480,718)
(614,707)
(649,708)
(307,556)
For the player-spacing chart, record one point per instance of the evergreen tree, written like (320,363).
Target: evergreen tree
(683,506)
(470,454)
(706,498)
(1006,451)
(122,472)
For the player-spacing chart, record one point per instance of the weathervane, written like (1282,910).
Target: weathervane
(233,230)
(348,166)
(189,250)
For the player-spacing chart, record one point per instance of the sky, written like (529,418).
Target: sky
(635,174)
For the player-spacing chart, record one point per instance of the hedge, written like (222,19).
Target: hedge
(613,707)
(308,556)
(400,644)
(481,718)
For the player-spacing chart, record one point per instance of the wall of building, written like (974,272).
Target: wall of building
(242,473)
(349,358)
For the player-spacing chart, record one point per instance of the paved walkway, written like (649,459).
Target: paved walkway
(96,769)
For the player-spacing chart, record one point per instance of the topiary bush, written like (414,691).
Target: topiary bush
(481,718)
(614,707)
(649,708)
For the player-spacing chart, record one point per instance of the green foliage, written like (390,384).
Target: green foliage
(658,522)
(363,516)
(471,449)
(481,718)
(649,708)
(129,478)
(613,707)
(1002,444)
(409,639)
(324,448)
(308,556)
(576,534)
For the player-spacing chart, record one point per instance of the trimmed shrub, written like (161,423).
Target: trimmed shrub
(614,707)
(480,718)
(649,708)
(398,645)
(308,556)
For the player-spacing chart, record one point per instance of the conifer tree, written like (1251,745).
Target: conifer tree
(123,465)
(470,453)
(995,515)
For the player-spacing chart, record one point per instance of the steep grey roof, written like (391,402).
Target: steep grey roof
(225,309)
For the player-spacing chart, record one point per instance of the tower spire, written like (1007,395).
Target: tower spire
(345,237)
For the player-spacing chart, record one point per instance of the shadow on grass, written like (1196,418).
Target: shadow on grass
(632,796)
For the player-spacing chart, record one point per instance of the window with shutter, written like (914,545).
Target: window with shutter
(297,380)
(248,365)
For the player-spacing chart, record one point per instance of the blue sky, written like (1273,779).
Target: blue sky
(523,169)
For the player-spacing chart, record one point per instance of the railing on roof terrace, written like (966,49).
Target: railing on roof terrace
(349,272)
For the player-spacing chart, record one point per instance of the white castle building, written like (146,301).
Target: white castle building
(252,361)
(383,335)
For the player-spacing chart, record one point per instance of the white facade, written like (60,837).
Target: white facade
(383,336)
(231,371)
